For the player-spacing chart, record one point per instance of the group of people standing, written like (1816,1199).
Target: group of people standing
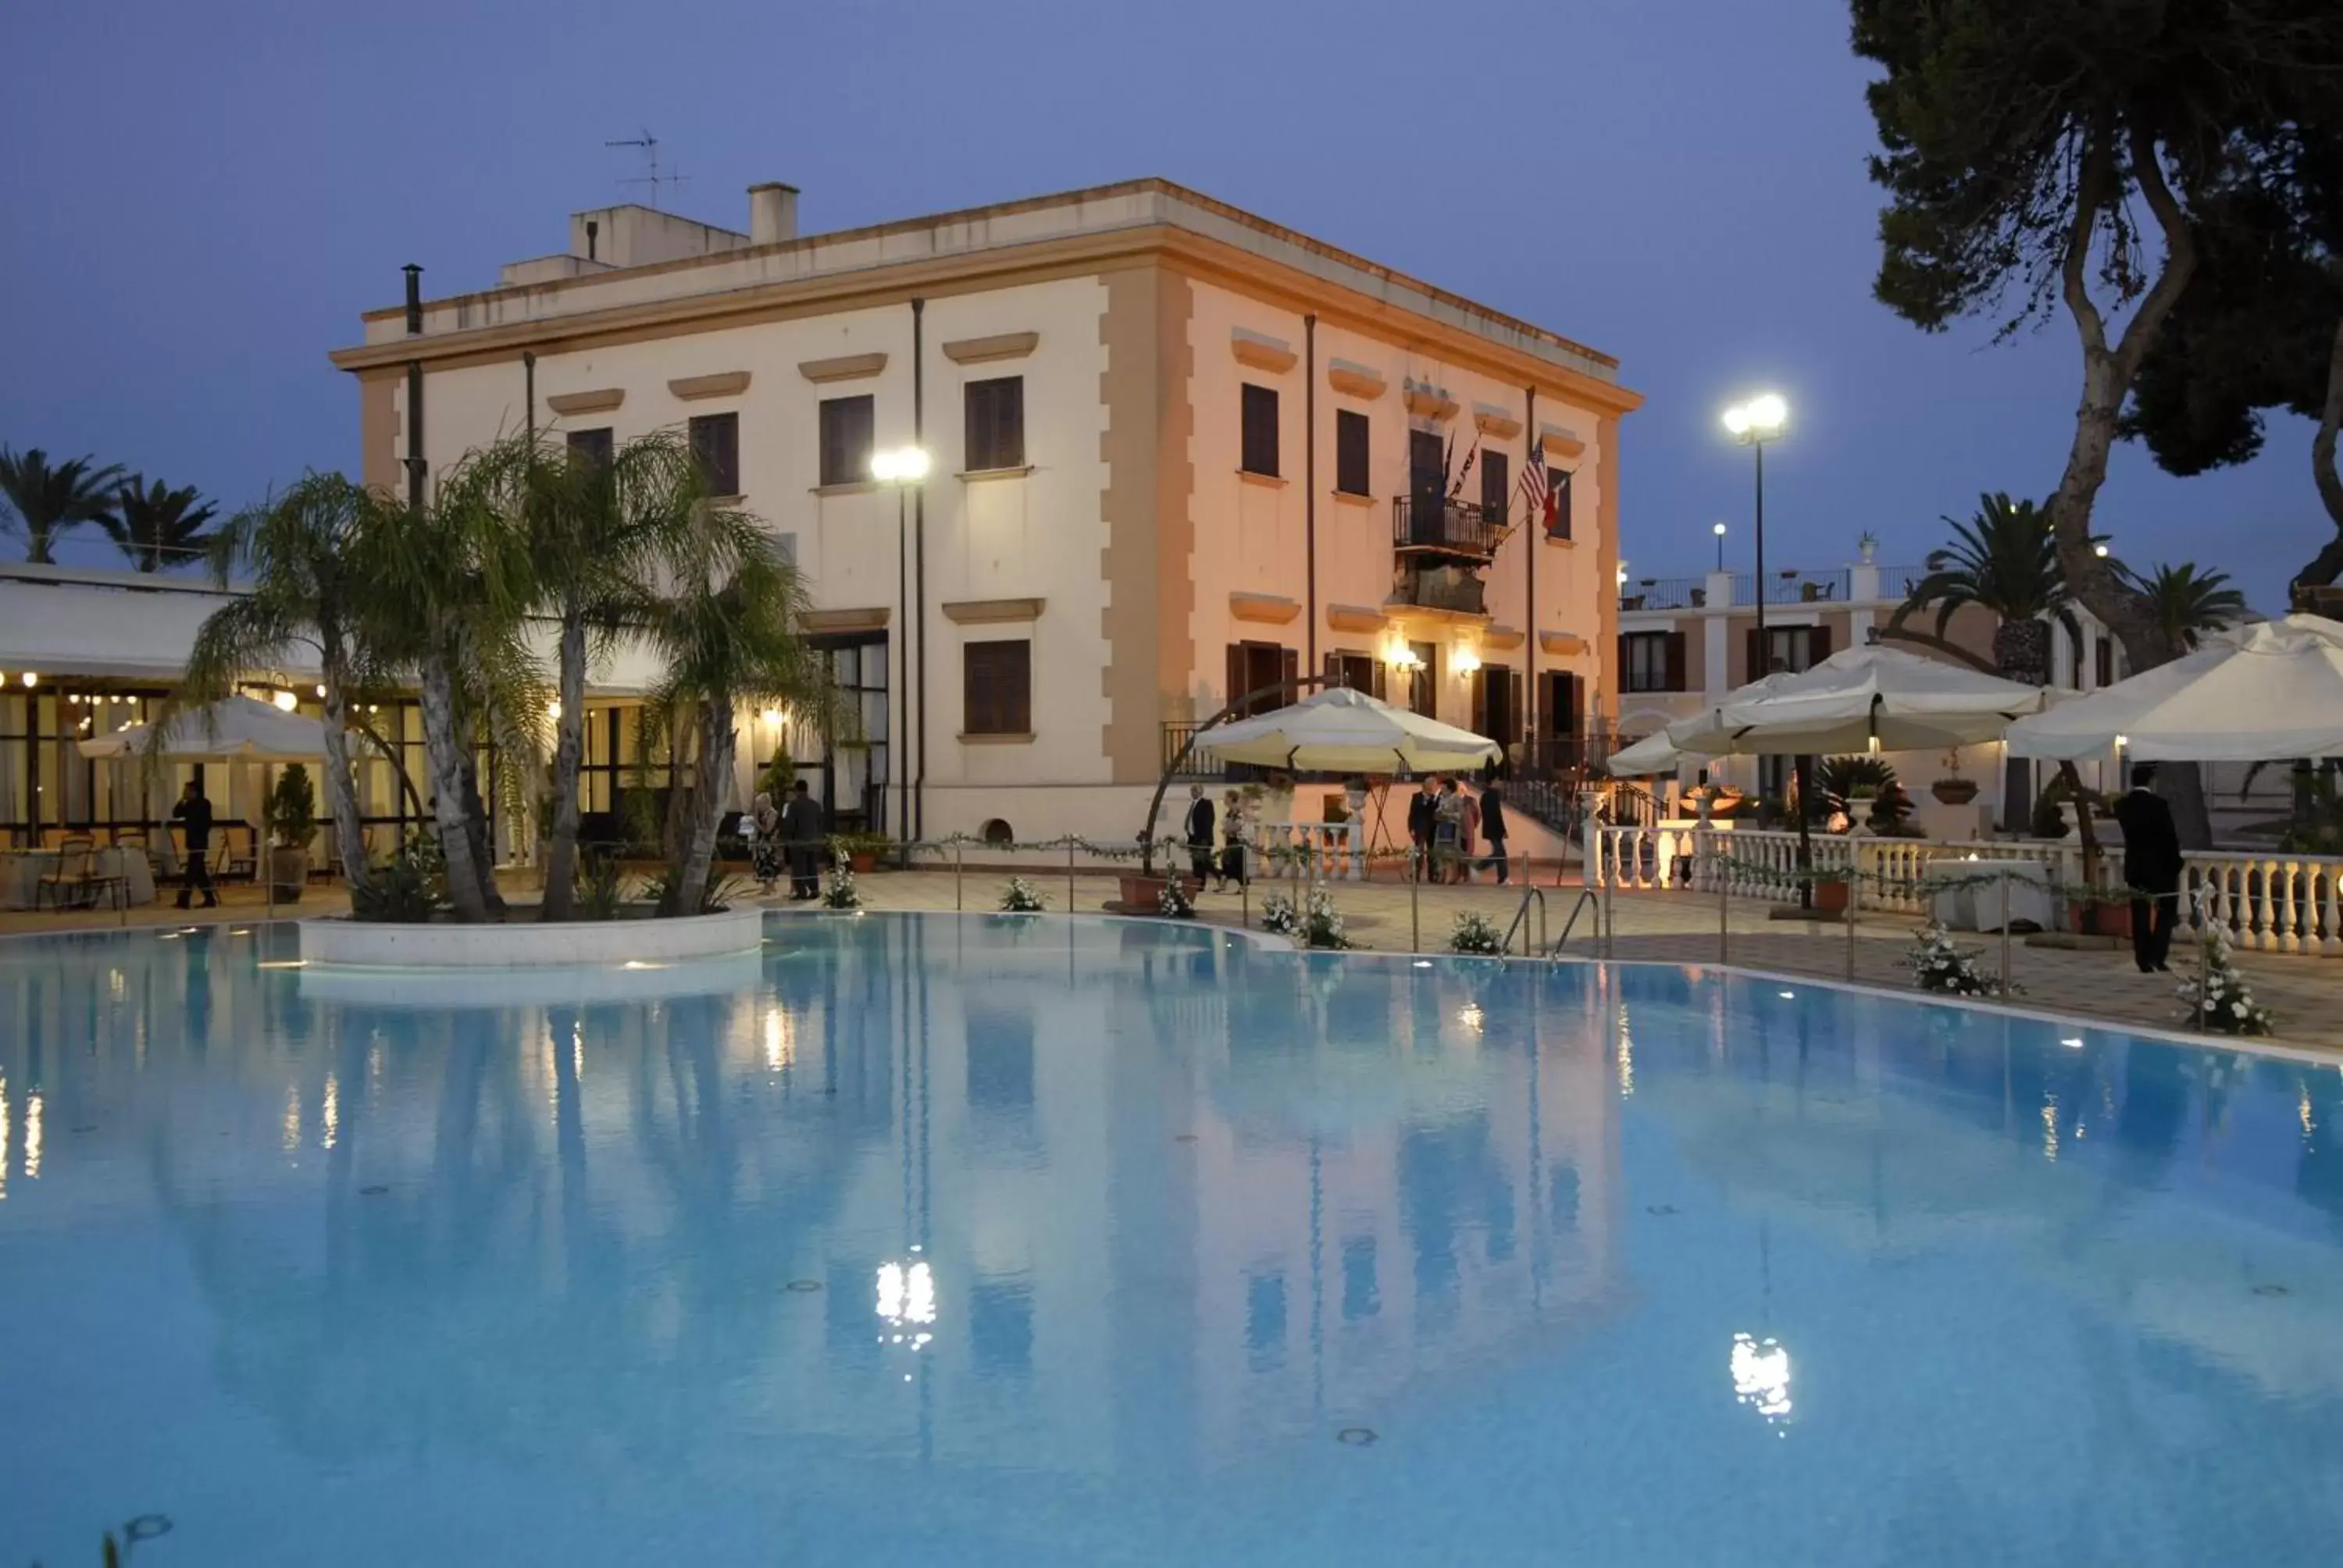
(793,834)
(1232,822)
(1449,827)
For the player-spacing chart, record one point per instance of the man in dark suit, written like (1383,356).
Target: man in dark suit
(1422,813)
(2151,866)
(194,816)
(1199,830)
(801,829)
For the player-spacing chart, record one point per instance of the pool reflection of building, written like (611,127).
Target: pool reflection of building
(638,1188)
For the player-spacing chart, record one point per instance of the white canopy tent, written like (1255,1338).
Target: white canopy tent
(2263,692)
(1865,698)
(235,729)
(1340,730)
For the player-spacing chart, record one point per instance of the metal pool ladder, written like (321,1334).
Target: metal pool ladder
(1533,895)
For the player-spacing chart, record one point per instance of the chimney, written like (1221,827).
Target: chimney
(414,300)
(772,213)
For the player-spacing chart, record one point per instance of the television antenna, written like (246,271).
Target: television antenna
(652,175)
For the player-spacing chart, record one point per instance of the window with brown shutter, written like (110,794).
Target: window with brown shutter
(715,448)
(999,686)
(1495,502)
(1359,671)
(996,422)
(1558,481)
(1352,475)
(1818,646)
(592,448)
(2103,661)
(1646,660)
(1676,671)
(846,438)
(1260,413)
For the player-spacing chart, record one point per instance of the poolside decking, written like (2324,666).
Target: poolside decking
(2306,993)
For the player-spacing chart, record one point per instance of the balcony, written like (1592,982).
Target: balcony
(1423,585)
(1449,526)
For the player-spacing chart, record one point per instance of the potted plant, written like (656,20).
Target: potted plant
(292,820)
(1952,788)
(860,850)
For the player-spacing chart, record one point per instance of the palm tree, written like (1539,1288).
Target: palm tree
(299,552)
(157,526)
(601,536)
(49,499)
(731,635)
(2186,602)
(2005,560)
(451,595)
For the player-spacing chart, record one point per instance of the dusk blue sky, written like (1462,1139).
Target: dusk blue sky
(200,200)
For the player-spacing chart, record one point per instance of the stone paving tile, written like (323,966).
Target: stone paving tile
(2305,993)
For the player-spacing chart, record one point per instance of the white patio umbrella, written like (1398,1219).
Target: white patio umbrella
(2263,692)
(233,729)
(1653,753)
(1900,701)
(1345,732)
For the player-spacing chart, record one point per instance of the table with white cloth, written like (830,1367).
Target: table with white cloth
(22,871)
(1977,906)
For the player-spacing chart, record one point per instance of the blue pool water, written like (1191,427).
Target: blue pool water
(946,1240)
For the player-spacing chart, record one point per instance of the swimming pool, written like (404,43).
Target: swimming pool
(988,1239)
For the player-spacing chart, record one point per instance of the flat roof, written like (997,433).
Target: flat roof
(971,232)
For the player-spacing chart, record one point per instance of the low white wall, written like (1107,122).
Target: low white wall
(385,945)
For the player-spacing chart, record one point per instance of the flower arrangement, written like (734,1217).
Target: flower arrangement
(1175,902)
(1322,923)
(2221,1002)
(840,893)
(1475,932)
(1938,966)
(1278,914)
(1023,897)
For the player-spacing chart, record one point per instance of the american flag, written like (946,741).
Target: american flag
(1539,493)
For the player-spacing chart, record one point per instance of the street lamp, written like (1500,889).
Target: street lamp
(903,469)
(1753,424)
(1719,531)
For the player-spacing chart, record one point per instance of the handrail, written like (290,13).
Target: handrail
(1585,897)
(1520,916)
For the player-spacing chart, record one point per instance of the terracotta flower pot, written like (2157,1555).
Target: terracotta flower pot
(1830,898)
(862,861)
(2100,920)
(1955,791)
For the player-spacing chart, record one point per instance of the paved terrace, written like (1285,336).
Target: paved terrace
(2100,985)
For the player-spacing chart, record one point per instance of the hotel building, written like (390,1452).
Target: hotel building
(1177,453)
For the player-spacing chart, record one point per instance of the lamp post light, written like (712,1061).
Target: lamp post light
(1753,424)
(1719,531)
(901,469)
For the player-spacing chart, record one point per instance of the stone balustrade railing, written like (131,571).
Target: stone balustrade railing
(2271,902)
(1305,851)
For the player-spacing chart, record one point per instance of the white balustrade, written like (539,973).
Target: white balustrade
(2271,903)
(1310,852)
(2275,902)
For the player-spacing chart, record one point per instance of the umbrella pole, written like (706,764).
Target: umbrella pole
(2005,934)
(1415,902)
(1805,837)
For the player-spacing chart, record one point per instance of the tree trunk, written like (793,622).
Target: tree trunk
(341,787)
(2109,373)
(443,745)
(476,820)
(568,756)
(688,884)
(672,836)
(2328,564)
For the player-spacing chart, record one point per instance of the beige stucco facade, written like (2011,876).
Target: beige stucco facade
(1127,547)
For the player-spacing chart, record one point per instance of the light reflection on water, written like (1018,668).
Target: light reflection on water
(1039,1240)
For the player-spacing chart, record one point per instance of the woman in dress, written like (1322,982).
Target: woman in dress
(1232,840)
(765,843)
